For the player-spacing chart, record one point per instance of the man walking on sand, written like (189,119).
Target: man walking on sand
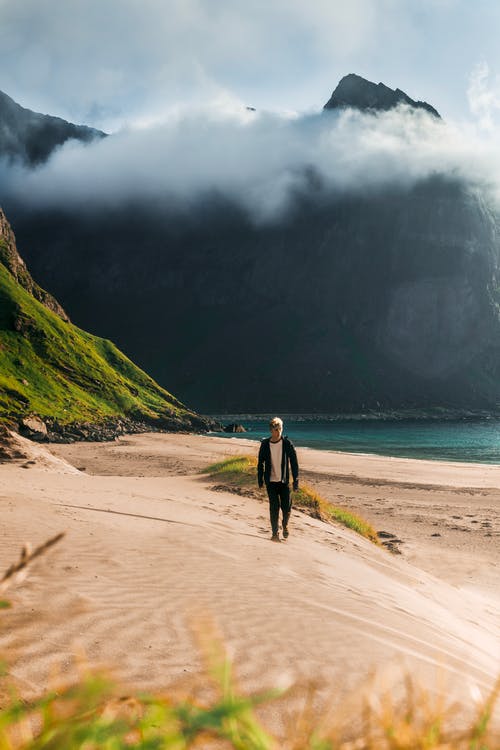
(276,456)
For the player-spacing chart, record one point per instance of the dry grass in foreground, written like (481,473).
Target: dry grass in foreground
(241,471)
(95,715)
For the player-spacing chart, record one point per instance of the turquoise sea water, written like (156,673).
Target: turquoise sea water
(470,441)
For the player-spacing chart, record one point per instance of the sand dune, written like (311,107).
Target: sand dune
(150,546)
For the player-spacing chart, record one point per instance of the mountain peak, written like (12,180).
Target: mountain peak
(355,91)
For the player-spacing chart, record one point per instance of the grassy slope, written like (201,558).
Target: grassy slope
(54,369)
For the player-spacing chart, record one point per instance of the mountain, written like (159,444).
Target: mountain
(383,299)
(56,378)
(387,300)
(355,91)
(31,137)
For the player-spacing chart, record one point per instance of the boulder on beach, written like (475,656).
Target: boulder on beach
(234,427)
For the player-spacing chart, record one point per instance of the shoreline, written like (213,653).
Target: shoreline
(457,442)
(414,464)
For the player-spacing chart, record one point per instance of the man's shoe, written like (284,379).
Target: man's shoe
(275,538)
(285,532)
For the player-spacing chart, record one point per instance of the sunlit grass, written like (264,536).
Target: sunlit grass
(306,497)
(51,368)
(242,471)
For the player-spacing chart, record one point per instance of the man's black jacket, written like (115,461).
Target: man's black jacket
(288,459)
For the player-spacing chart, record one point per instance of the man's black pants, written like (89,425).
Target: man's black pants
(279,496)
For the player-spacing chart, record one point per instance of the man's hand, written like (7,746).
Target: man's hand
(295,484)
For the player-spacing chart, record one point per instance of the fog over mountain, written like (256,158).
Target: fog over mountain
(254,261)
(259,160)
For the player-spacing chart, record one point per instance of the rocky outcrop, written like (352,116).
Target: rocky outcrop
(355,91)
(34,428)
(10,258)
(234,427)
(52,431)
(30,137)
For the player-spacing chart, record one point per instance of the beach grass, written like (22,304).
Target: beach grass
(96,714)
(211,712)
(241,471)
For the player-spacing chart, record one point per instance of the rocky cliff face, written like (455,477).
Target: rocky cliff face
(31,137)
(382,299)
(10,258)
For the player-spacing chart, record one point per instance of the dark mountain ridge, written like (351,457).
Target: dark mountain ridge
(31,137)
(385,299)
(355,91)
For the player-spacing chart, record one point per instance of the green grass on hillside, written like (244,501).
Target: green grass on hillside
(54,369)
(241,471)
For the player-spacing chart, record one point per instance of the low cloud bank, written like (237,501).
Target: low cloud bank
(259,160)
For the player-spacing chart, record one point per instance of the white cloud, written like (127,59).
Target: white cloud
(257,159)
(483,94)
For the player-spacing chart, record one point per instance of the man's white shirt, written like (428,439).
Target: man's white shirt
(276,459)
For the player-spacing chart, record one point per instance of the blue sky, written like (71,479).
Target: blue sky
(113,62)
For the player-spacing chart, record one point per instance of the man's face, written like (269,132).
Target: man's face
(276,430)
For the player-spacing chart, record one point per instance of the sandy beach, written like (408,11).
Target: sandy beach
(151,546)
